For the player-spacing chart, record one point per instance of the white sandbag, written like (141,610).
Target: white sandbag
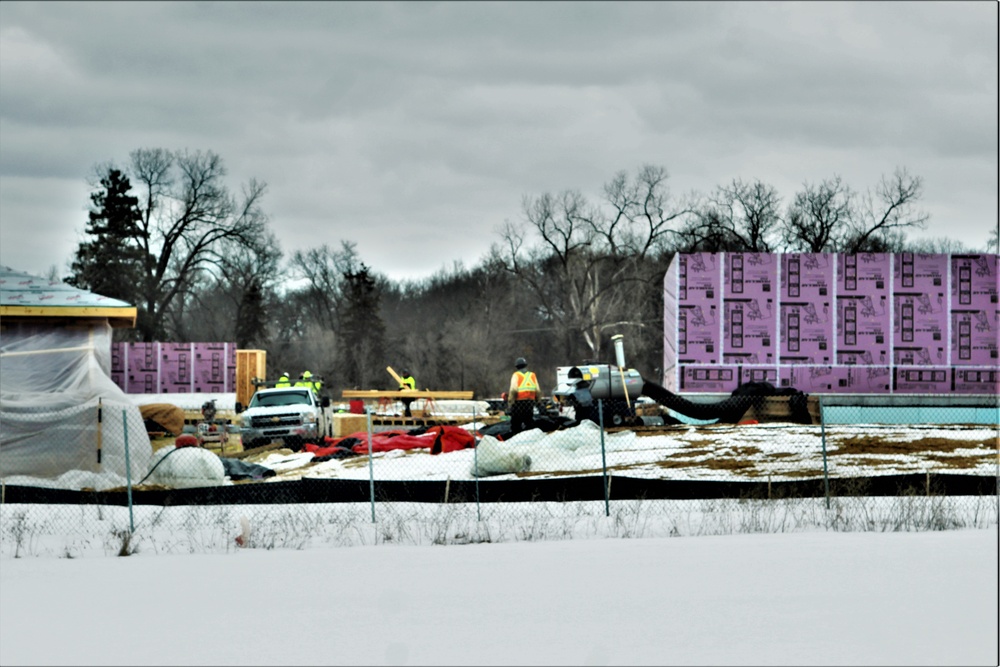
(186,467)
(493,457)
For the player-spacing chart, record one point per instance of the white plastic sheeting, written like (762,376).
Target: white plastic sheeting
(54,379)
(186,467)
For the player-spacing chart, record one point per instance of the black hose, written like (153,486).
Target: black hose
(165,457)
(727,411)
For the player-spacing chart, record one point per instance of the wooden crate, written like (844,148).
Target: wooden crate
(250,365)
(344,423)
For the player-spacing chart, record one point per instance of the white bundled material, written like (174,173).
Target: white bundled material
(498,458)
(447,408)
(188,401)
(186,467)
(586,438)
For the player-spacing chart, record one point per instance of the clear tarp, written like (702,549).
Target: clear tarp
(60,411)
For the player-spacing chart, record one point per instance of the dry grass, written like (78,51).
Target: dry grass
(877,444)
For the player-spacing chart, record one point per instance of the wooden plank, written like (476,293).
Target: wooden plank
(119,317)
(396,394)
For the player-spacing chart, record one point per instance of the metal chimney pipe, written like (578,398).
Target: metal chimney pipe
(619,341)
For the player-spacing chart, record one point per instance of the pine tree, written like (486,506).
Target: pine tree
(111,263)
(362,330)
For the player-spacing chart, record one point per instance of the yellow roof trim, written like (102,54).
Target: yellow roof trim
(119,317)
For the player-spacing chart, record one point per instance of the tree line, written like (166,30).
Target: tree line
(200,263)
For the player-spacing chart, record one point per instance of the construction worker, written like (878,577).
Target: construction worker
(521,397)
(407,383)
(283,381)
(306,380)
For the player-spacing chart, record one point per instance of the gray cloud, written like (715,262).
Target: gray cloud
(415,129)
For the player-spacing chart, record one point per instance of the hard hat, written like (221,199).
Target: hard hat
(406,371)
(520,363)
(306,374)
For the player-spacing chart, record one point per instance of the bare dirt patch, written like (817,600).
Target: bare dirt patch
(867,444)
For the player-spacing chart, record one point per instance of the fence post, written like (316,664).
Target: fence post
(475,459)
(371,470)
(822,430)
(128,474)
(604,465)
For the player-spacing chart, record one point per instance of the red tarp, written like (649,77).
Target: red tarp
(439,439)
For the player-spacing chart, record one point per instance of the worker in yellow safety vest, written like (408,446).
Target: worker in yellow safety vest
(407,383)
(306,380)
(521,396)
(283,381)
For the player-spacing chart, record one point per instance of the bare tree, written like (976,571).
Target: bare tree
(819,217)
(587,260)
(238,302)
(323,269)
(885,213)
(742,216)
(186,213)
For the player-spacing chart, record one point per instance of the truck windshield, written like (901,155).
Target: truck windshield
(294,397)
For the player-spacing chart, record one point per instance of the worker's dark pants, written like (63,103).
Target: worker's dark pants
(522,416)
(406,405)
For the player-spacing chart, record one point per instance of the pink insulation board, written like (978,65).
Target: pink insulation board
(118,359)
(806,333)
(974,337)
(920,309)
(863,309)
(922,380)
(749,302)
(141,357)
(836,379)
(974,310)
(968,380)
(868,380)
(170,368)
(806,308)
(176,372)
(917,312)
(709,379)
(699,309)
(210,366)
(920,323)
(814,379)
(759,374)
(142,382)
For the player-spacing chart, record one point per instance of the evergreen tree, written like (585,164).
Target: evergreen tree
(362,331)
(111,263)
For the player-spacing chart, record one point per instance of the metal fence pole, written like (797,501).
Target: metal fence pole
(475,459)
(128,474)
(822,430)
(604,464)
(371,471)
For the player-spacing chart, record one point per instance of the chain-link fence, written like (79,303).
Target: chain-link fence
(762,464)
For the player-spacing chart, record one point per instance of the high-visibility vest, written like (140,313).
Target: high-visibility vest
(309,383)
(527,385)
(283,381)
(408,381)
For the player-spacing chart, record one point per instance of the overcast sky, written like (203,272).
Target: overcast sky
(415,129)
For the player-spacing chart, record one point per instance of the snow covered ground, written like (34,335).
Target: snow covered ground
(810,598)
(719,452)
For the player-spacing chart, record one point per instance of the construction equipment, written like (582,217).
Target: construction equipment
(211,429)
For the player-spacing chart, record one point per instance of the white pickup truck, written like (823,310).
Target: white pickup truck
(293,415)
